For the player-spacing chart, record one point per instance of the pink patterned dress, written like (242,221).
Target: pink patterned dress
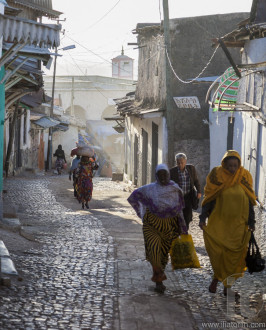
(84,184)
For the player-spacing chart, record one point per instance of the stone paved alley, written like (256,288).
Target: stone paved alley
(85,269)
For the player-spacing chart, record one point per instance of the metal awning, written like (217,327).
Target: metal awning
(114,118)
(19,30)
(142,112)
(46,122)
(35,116)
(223,98)
(43,54)
(61,127)
(11,11)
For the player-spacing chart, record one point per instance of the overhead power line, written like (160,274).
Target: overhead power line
(99,20)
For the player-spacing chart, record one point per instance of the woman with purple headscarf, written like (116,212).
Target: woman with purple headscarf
(159,205)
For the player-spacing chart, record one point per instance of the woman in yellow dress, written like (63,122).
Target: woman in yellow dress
(228,204)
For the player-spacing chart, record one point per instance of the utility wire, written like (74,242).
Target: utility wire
(99,20)
(90,51)
(192,80)
(85,75)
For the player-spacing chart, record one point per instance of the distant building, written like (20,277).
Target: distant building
(122,66)
(84,102)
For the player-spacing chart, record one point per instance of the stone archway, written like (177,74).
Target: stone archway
(79,112)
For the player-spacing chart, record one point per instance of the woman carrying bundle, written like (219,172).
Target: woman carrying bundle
(84,175)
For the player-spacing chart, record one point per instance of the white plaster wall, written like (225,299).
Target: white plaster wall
(93,102)
(90,93)
(45,139)
(255,51)
(218,136)
(261,167)
(134,126)
(239,127)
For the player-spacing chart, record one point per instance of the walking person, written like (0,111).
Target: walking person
(60,159)
(72,172)
(84,175)
(228,204)
(185,176)
(159,205)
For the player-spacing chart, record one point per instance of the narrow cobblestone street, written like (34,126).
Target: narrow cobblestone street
(85,269)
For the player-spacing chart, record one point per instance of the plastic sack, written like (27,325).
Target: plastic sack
(183,253)
(81,144)
(65,166)
(85,151)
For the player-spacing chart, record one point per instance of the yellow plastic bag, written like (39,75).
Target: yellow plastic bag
(183,253)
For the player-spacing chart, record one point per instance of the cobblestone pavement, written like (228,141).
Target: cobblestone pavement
(71,277)
(89,271)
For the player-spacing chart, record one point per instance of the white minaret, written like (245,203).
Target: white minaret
(122,66)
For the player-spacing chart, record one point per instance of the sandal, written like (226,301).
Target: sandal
(159,277)
(160,288)
(213,285)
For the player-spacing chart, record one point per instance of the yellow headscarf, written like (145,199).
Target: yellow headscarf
(219,179)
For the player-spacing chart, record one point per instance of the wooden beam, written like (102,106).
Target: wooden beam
(228,55)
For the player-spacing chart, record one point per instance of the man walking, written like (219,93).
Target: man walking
(186,177)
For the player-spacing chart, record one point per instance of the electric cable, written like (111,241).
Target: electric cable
(99,20)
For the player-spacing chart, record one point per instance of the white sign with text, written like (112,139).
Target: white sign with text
(190,102)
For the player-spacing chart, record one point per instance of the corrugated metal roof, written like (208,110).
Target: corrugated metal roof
(30,50)
(41,6)
(17,29)
(61,127)
(47,122)
(11,11)
(35,116)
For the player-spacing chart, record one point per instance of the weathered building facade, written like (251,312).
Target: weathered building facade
(146,128)
(243,125)
(24,53)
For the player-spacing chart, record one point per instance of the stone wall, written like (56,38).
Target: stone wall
(197,152)
(191,48)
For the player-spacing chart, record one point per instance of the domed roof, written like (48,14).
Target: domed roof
(122,56)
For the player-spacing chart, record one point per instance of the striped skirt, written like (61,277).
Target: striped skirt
(158,236)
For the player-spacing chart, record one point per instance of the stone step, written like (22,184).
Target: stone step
(7,266)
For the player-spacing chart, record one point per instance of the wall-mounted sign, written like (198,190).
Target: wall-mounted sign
(190,102)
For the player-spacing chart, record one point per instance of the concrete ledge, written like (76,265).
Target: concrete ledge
(6,264)
(117,177)
(28,233)
(12,224)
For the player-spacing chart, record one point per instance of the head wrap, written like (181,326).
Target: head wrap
(220,179)
(165,201)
